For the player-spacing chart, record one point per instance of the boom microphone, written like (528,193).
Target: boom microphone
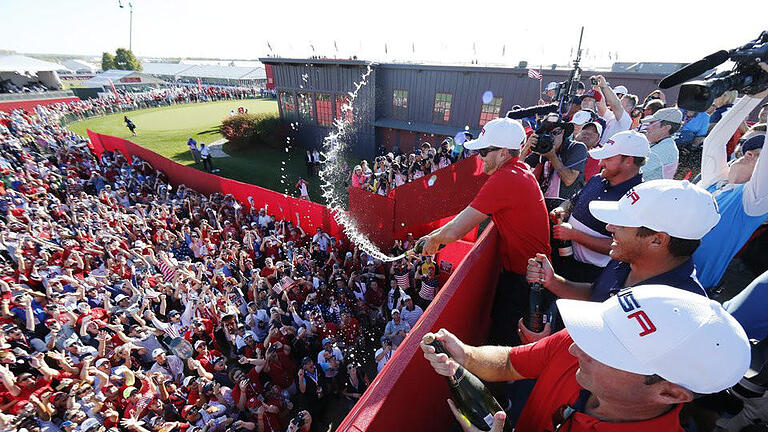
(532,111)
(694,69)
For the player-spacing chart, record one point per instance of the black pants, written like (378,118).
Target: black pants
(207,164)
(509,305)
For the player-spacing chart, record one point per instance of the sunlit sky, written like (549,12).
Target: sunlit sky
(505,32)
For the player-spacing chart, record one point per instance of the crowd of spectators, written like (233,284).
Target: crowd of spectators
(390,171)
(130,304)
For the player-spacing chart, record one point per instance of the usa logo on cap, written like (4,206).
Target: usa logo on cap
(628,304)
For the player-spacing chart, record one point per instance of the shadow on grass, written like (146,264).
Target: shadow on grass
(209,131)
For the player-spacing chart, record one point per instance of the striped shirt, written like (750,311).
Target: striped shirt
(403,280)
(428,288)
(166,270)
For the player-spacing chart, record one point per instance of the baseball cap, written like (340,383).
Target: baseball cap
(120,297)
(685,338)
(395,311)
(185,410)
(551,86)
(501,132)
(327,341)
(627,143)
(648,205)
(756,142)
(89,424)
(157,352)
(594,94)
(597,126)
(199,343)
(581,117)
(672,115)
(620,89)
(129,391)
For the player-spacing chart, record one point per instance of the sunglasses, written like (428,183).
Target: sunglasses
(484,151)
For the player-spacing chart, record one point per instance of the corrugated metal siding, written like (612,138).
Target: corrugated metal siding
(466,83)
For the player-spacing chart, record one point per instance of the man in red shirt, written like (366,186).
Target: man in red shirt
(626,364)
(513,199)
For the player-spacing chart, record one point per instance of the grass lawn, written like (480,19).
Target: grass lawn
(166,130)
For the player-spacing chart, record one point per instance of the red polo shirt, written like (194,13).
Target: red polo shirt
(549,361)
(514,200)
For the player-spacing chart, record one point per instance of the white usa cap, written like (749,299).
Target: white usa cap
(620,89)
(683,337)
(501,132)
(651,205)
(627,143)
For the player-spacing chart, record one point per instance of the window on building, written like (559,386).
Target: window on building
(305,106)
(490,111)
(400,104)
(324,109)
(341,113)
(442,111)
(287,104)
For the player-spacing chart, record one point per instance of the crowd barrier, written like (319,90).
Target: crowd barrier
(29,105)
(420,206)
(311,215)
(407,395)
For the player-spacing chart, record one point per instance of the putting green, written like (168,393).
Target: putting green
(165,131)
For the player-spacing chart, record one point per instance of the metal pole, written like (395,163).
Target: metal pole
(130,29)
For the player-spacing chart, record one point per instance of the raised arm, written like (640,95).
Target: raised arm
(714,160)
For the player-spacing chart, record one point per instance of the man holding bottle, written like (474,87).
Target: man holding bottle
(620,161)
(628,363)
(648,245)
(512,198)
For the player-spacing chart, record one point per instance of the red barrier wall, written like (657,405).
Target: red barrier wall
(374,215)
(312,215)
(407,395)
(29,105)
(417,207)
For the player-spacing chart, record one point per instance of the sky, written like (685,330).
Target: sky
(502,33)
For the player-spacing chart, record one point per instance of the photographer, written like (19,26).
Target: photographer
(301,423)
(610,108)
(740,188)
(559,166)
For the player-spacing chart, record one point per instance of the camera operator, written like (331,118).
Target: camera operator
(609,107)
(741,190)
(558,162)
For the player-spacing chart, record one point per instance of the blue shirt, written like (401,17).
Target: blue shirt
(699,124)
(599,189)
(613,279)
(727,238)
(748,307)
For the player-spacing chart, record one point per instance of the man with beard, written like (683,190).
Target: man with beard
(620,162)
(648,244)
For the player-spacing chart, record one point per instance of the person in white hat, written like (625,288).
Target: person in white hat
(170,365)
(664,157)
(628,363)
(610,109)
(513,199)
(619,162)
(655,228)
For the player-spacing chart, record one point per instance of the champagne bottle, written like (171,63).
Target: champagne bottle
(473,400)
(564,247)
(418,248)
(535,318)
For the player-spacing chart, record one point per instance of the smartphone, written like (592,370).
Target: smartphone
(593,80)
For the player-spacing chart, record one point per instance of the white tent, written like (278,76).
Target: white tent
(80,66)
(22,70)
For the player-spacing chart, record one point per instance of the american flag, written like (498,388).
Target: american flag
(533,73)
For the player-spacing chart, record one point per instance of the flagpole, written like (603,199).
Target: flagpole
(541,78)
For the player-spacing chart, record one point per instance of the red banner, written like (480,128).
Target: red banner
(312,215)
(462,306)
